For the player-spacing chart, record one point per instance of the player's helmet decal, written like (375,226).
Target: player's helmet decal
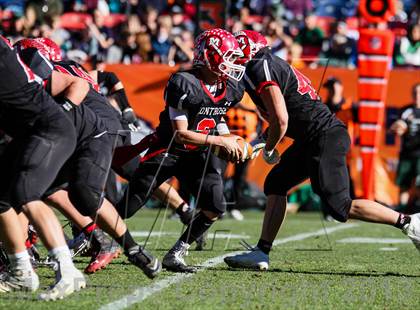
(218,50)
(47,47)
(52,48)
(250,43)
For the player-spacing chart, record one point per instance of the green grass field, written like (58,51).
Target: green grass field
(304,274)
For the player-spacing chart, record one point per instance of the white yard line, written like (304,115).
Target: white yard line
(176,234)
(144,292)
(374,240)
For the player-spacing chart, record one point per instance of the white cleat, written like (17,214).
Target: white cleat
(412,230)
(67,282)
(255,259)
(19,280)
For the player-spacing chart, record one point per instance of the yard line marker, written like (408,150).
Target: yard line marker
(374,240)
(144,292)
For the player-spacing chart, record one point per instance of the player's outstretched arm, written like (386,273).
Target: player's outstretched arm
(75,89)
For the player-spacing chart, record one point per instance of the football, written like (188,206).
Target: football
(245,147)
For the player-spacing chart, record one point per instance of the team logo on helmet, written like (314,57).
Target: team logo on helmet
(250,43)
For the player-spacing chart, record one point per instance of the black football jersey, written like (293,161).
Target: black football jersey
(185,91)
(22,99)
(94,99)
(308,116)
(85,120)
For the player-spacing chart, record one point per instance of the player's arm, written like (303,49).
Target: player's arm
(74,89)
(278,117)
(183,135)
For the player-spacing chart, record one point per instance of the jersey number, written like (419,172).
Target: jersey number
(204,126)
(304,85)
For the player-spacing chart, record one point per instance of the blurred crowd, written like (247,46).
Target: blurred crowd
(306,32)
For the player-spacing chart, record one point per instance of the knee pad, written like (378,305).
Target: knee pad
(212,197)
(339,210)
(86,200)
(272,187)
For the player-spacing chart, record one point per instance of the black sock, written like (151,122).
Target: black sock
(403,219)
(126,241)
(180,208)
(196,229)
(264,246)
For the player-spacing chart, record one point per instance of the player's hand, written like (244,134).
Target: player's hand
(271,157)
(232,147)
(399,127)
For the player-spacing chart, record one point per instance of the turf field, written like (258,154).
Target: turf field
(305,272)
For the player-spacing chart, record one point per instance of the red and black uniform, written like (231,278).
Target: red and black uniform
(43,136)
(85,173)
(321,140)
(166,158)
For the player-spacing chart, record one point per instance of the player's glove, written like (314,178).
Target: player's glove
(131,119)
(271,157)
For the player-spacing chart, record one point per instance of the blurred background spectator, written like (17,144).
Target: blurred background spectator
(132,31)
(408,174)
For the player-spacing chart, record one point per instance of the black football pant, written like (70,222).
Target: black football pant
(188,168)
(323,160)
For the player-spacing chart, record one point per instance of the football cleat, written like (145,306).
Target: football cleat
(254,259)
(66,283)
(412,230)
(105,250)
(79,245)
(145,261)
(19,280)
(174,259)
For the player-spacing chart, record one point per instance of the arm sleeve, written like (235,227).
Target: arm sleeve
(178,115)
(262,75)
(176,94)
(108,78)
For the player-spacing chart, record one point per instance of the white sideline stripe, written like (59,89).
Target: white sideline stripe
(388,249)
(374,240)
(167,233)
(144,292)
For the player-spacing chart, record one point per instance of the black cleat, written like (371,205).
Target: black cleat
(145,261)
(174,259)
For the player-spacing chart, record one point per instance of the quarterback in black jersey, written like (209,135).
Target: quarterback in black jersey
(86,171)
(196,101)
(43,138)
(321,142)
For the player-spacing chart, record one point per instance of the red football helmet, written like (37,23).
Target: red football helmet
(52,48)
(218,50)
(250,42)
(47,47)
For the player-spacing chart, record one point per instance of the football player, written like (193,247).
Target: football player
(108,84)
(43,139)
(292,107)
(87,170)
(196,101)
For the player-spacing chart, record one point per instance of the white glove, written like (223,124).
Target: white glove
(256,149)
(271,157)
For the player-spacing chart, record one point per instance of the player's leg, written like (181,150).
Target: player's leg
(208,190)
(289,172)
(86,193)
(329,177)
(21,275)
(169,195)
